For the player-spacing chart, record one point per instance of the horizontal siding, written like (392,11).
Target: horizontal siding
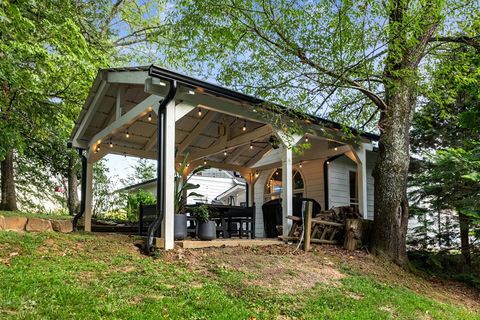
(338,193)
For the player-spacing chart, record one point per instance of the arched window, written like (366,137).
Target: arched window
(274,186)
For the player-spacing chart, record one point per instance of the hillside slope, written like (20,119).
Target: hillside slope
(104,276)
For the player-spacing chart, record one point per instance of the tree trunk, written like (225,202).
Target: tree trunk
(464,240)
(72,189)
(9,197)
(391,169)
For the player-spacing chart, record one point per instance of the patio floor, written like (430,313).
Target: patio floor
(197,244)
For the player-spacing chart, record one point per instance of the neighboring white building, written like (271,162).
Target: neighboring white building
(216,186)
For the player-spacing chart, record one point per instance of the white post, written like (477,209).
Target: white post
(287,187)
(362,180)
(169,192)
(88,197)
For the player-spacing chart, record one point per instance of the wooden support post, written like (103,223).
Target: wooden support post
(307,226)
(287,187)
(88,197)
(169,192)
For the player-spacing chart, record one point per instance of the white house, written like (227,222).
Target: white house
(215,186)
(154,113)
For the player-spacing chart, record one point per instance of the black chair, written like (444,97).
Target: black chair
(147,214)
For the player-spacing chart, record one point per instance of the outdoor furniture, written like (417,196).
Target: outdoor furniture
(147,214)
(226,217)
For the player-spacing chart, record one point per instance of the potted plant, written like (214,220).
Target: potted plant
(207,230)
(182,192)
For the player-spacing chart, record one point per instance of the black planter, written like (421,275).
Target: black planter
(179,226)
(207,230)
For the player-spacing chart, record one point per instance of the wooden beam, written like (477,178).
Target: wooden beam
(133,152)
(127,77)
(259,156)
(239,140)
(182,109)
(119,102)
(92,109)
(327,154)
(199,128)
(236,153)
(126,120)
(152,141)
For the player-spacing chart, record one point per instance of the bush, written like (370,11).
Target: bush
(133,203)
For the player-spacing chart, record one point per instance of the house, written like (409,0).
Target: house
(215,186)
(154,113)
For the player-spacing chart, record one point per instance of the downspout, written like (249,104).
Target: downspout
(83,191)
(325,177)
(161,152)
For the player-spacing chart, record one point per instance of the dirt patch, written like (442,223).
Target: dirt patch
(274,267)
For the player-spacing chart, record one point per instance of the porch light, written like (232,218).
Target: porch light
(191,92)
(149,117)
(127,135)
(244,128)
(199,112)
(163,84)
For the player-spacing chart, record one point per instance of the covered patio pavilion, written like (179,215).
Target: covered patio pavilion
(154,113)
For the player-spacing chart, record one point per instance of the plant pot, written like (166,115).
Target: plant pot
(207,230)
(179,226)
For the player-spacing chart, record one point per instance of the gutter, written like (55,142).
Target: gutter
(161,152)
(83,191)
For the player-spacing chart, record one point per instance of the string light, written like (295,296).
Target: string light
(306,138)
(149,117)
(98,148)
(111,144)
(300,164)
(225,152)
(251,145)
(256,174)
(335,148)
(328,162)
(204,162)
(199,112)
(244,128)
(188,165)
(127,135)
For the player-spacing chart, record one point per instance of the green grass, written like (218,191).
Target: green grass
(35,215)
(80,276)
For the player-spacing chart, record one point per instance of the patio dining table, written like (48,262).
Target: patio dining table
(225,215)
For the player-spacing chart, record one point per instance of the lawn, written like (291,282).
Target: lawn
(81,276)
(35,215)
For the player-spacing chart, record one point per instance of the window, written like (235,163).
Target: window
(352,175)
(273,187)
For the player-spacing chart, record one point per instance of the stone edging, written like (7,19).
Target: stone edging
(19,223)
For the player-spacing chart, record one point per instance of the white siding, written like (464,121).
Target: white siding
(338,184)
(312,173)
